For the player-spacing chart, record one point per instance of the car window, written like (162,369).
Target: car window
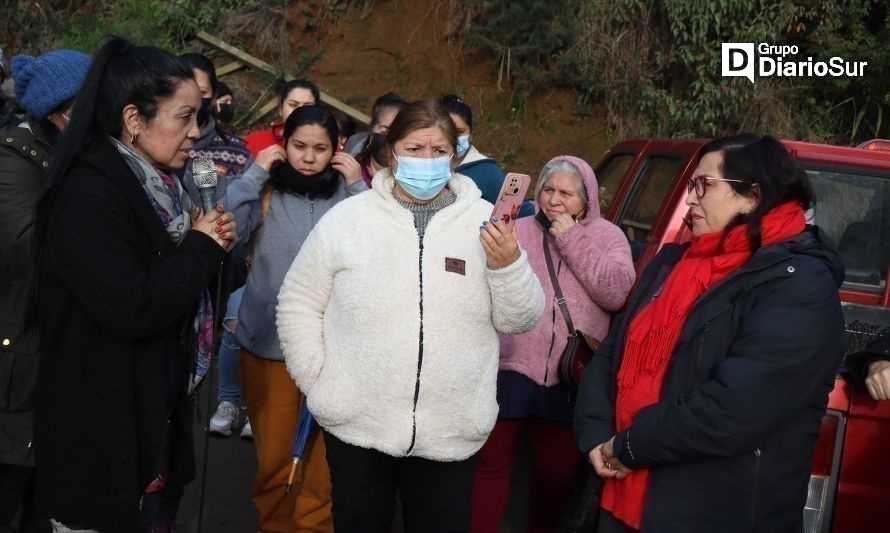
(649,192)
(609,177)
(854,210)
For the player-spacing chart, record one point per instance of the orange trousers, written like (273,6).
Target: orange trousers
(273,405)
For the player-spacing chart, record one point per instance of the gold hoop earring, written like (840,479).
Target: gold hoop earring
(132,138)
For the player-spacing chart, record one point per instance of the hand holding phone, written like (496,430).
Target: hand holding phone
(509,201)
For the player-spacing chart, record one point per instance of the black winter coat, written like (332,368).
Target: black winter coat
(731,441)
(24,162)
(116,301)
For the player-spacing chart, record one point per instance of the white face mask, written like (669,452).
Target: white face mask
(463,145)
(421,177)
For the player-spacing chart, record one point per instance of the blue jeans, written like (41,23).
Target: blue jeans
(229,354)
(229,380)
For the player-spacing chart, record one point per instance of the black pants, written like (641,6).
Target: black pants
(436,496)
(16,492)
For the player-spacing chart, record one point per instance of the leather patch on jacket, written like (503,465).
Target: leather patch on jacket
(458,266)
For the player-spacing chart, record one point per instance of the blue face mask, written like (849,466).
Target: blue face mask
(463,144)
(421,177)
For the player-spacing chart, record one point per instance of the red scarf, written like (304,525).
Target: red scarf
(653,334)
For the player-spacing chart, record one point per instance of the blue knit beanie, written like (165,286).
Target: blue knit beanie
(45,82)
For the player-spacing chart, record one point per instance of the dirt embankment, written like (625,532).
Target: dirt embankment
(401,46)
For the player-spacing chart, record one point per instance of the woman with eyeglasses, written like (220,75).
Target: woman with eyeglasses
(702,406)
(392,334)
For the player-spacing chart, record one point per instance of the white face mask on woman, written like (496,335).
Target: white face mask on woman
(421,177)
(463,145)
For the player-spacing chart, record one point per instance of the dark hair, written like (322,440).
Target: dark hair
(288,86)
(419,115)
(344,122)
(223,90)
(205,65)
(456,106)
(766,163)
(120,74)
(315,114)
(386,102)
(374,147)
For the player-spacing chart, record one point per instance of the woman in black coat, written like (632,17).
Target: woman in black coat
(702,407)
(123,269)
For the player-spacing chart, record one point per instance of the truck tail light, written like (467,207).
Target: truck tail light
(824,475)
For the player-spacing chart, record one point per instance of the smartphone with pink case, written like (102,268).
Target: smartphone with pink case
(510,198)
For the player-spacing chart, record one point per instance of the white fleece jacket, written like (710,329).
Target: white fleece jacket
(349,320)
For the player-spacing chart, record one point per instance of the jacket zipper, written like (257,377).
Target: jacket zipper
(311,206)
(757,454)
(419,355)
(710,292)
(699,351)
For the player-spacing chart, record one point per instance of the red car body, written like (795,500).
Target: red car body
(643,185)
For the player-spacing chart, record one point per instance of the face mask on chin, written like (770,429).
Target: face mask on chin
(421,177)
(285,178)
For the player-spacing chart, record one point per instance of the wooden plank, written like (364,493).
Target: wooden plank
(236,53)
(234,66)
(268,107)
(349,110)
(247,59)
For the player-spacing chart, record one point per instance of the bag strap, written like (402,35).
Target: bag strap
(560,300)
(265,201)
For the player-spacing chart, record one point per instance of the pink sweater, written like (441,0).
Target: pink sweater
(596,273)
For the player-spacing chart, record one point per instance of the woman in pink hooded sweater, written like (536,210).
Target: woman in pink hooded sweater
(593,263)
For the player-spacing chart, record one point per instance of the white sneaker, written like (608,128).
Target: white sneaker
(226,418)
(246,432)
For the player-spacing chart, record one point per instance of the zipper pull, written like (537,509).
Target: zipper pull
(757,452)
(311,206)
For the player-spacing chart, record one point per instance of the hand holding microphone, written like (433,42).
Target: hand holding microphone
(212,220)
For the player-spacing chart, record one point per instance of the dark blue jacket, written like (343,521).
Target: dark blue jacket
(731,441)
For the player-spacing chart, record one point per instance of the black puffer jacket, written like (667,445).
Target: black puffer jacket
(25,153)
(731,441)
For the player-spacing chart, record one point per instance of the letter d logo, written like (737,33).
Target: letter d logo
(738,60)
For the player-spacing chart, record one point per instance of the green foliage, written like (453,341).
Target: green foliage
(140,21)
(673,50)
(171,24)
(525,38)
(656,65)
(857,108)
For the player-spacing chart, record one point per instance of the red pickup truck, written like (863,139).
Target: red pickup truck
(642,190)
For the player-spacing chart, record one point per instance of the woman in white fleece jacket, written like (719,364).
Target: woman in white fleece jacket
(389,321)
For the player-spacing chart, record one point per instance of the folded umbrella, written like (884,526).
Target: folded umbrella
(304,429)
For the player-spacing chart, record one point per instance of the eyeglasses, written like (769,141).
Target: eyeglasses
(699,184)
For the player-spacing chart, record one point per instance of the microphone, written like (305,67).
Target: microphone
(204,173)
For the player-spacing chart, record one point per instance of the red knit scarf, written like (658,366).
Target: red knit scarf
(653,334)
